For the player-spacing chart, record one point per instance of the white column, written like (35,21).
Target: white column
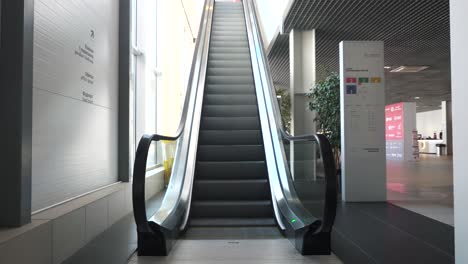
(302,78)
(447,125)
(362,121)
(459,53)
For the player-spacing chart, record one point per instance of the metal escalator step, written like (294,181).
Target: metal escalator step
(231,17)
(231,222)
(233,36)
(231,170)
(230,123)
(235,99)
(230,79)
(230,209)
(230,137)
(229,21)
(227,44)
(222,190)
(213,71)
(230,111)
(219,32)
(230,153)
(228,28)
(237,35)
(226,89)
(229,64)
(228,56)
(227,50)
(228,11)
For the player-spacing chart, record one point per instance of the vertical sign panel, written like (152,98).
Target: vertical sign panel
(363,121)
(74,99)
(394,128)
(400,125)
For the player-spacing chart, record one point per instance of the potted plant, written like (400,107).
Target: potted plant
(325,102)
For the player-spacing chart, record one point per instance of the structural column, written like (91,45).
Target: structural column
(302,78)
(16,111)
(124,91)
(459,54)
(447,125)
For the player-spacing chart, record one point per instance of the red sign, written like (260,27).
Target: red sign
(351,80)
(394,121)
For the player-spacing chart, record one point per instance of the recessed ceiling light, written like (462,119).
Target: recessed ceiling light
(409,69)
(417,97)
(387,67)
(278,96)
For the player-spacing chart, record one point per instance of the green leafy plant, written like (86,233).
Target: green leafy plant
(284,101)
(325,102)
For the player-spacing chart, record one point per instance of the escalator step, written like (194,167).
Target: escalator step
(229,71)
(230,79)
(230,111)
(220,190)
(231,153)
(243,50)
(232,28)
(229,56)
(230,209)
(230,123)
(229,38)
(231,170)
(230,137)
(235,99)
(231,222)
(229,89)
(229,64)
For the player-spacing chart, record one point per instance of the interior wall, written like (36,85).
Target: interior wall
(429,122)
(75,92)
(459,57)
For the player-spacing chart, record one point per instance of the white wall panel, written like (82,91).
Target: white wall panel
(75,98)
(429,122)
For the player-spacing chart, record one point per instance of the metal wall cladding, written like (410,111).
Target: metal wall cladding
(74,99)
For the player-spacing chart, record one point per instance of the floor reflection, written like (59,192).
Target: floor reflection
(424,186)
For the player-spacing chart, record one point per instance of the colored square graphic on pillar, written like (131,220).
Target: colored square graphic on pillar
(363,80)
(351,80)
(376,80)
(351,89)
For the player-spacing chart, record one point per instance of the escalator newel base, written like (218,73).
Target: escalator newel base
(152,243)
(317,244)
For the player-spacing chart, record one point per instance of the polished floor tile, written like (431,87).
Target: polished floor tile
(384,233)
(258,245)
(424,186)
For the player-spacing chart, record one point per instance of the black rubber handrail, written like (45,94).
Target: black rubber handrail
(151,236)
(139,174)
(331,179)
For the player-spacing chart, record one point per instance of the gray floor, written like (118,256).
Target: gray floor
(234,245)
(424,186)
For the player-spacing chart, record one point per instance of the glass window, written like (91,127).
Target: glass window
(144,83)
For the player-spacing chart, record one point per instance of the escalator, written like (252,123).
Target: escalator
(231,181)
(235,165)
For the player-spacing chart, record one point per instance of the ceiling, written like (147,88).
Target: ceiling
(415,32)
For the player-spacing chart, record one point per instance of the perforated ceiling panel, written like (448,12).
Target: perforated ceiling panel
(415,32)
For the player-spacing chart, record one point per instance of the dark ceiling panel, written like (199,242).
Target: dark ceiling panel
(415,32)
